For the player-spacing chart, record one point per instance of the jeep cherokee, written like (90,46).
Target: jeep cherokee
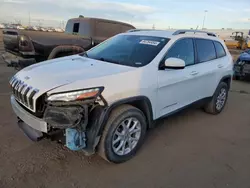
(104,100)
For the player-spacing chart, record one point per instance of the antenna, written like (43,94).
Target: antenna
(196,29)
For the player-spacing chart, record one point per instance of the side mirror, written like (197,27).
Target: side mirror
(174,63)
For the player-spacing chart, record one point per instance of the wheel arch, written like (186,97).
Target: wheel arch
(227,79)
(141,102)
(65,49)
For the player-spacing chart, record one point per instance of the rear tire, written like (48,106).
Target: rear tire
(219,100)
(123,134)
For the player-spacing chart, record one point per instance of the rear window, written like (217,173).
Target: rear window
(76,28)
(205,50)
(81,28)
(220,51)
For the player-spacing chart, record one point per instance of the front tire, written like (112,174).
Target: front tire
(219,100)
(123,134)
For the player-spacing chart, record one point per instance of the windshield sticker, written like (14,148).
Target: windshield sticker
(138,63)
(150,42)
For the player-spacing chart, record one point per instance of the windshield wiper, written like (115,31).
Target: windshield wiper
(84,54)
(108,60)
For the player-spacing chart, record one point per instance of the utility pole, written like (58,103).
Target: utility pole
(205,14)
(29,18)
(153,27)
(63,24)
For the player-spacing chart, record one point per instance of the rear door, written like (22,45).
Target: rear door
(224,62)
(207,67)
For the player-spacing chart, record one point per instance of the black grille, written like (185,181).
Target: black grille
(23,93)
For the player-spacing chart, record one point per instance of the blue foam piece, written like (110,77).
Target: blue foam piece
(75,140)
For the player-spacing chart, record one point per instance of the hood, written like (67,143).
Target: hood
(51,74)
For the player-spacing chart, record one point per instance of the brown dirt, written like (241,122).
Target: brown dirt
(191,149)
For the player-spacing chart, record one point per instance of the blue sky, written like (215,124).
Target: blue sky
(141,13)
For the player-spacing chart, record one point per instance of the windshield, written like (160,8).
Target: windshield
(129,50)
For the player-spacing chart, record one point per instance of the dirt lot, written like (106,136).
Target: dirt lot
(191,149)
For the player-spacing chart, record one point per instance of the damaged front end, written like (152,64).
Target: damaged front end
(67,116)
(72,118)
(75,124)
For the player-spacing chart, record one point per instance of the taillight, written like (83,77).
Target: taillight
(23,41)
(25,44)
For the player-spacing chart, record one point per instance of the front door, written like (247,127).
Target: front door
(178,88)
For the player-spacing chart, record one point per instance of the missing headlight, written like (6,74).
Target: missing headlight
(67,116)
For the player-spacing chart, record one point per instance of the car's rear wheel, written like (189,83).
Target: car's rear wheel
(123,134)
(219,99)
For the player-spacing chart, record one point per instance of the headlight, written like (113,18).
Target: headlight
(76,95)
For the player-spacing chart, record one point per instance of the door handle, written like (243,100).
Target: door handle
(220,66)
(193,73)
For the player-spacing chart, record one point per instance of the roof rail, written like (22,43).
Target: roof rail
(183,31)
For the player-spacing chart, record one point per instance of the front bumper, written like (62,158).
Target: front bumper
(242,70)
(32,121)
(36,128)
(13,60)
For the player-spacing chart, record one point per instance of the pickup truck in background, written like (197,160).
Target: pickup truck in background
(25,47)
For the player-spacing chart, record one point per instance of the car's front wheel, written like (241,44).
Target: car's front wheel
(123,134)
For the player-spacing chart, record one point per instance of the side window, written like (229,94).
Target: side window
(205,50)
(220,51)
(183,49)
(76,28)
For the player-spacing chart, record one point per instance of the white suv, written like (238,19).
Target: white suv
(105,99)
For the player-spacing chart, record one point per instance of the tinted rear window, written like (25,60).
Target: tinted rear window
(205,50)
(219,49)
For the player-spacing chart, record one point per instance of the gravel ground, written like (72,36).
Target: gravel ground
(190,149)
